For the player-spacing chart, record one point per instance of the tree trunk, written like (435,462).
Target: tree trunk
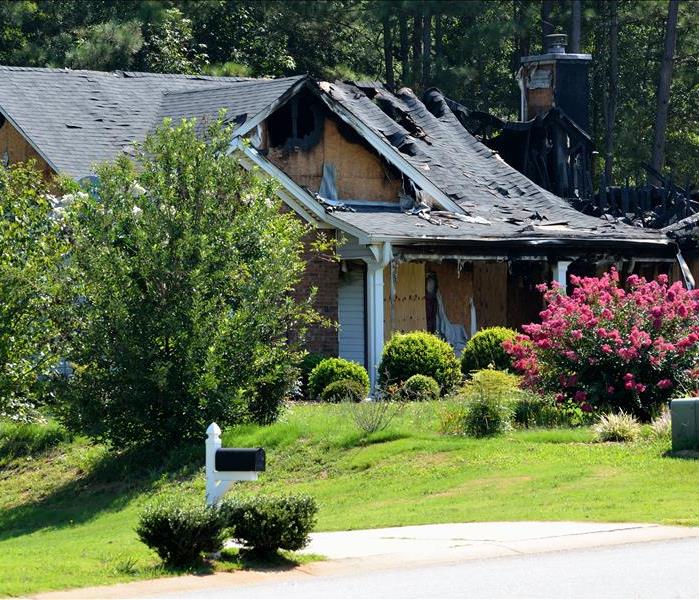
(575,26)
(426,48)
(611,95)
(404,48)
(438,44)
(658,157)
(546,25)
(388,52)
(417,48)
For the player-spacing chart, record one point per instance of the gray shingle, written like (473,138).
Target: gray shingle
(79,118)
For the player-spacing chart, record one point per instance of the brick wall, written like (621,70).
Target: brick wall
(325,276)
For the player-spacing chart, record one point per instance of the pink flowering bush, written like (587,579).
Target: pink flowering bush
(609,348)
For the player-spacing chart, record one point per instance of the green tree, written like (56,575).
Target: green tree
(182,272)
(106,46)
(32,246)
(170,47)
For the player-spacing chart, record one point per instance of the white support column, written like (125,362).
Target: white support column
(375,318)
(213,443)
(560,273)
(382,255)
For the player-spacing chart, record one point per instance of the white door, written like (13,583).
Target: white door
(351,304)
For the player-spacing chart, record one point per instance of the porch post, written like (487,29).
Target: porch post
(381,256)
(375,290)
(560,273)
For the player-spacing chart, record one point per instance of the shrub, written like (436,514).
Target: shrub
(617,427)
(33,242)
(25,439)
(485,350)
(486,416)
(484,407)
(419,353)
(661,425)
(533,410)
(268,523)
(310,361)
(606,348)
(335,369)
(421,388)
(345,390)
(180,532)
(185,269)
(375,415)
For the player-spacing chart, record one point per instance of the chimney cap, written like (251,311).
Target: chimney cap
(556,43)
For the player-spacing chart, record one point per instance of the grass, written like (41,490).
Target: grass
(67,516)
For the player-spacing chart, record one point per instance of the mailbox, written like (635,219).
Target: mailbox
(239,459)
(225,466)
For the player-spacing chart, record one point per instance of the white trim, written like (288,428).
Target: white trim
(389,153)
(560,273)
(375,308)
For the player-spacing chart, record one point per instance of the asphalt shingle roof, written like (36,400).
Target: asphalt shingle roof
(430,137)
(79,118)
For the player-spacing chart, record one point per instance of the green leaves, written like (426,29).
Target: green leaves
(184,267)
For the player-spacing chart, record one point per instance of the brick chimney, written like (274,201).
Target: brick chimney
(556,79)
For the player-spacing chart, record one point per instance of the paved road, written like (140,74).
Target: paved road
(668,569)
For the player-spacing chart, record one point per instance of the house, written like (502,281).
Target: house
(437,231)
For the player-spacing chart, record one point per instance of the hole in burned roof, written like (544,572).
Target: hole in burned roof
(404,119)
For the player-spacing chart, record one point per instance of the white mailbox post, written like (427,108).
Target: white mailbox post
(227,465)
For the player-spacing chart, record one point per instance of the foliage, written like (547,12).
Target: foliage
(308,363)
(419,353)
(484,407)
(617,427)
(32,248)
(372,416)
(661,425)
(180,530)
(421,388)
(27,439)
(106,46)
(335,369)
(170,47)
(68,517)
(266,524)
(344,390)
(533,410)
(485,350)
(182,272)
(604,347)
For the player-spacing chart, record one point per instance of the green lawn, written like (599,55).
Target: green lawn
(67,517)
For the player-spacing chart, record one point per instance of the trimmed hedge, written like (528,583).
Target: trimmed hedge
(330,370)
(180,531)
(420,388)
(266,524)
(419,353)
(485,350)
(309,362)
(345,390)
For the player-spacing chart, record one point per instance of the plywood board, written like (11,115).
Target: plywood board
(490,293)
(456,289)
(407,311)
(19,150)
(361,173)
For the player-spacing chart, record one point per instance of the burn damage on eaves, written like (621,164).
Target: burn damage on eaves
(497,201)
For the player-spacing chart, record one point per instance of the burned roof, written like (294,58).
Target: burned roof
(481,185)
(76,119)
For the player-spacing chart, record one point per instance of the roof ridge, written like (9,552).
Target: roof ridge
(232,85)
